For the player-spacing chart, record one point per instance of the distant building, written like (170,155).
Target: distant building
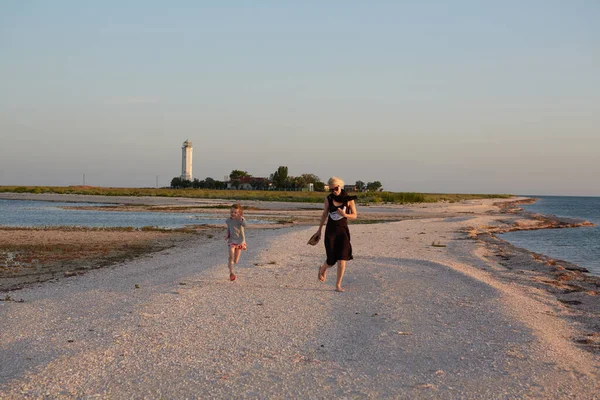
(186,161)
(350,188)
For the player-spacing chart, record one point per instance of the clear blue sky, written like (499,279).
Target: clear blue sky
(433,96)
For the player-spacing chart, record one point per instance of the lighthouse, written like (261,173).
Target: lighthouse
(186,160)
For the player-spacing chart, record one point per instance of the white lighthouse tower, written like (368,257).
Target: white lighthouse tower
(186,161)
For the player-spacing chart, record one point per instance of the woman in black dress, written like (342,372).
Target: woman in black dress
(338,208)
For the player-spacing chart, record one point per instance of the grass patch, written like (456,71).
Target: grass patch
(241,195)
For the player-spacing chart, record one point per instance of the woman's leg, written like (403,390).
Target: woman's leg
(323,271)
(231,258)
(341,268)
(237,255)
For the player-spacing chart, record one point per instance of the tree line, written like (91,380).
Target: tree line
(278,180)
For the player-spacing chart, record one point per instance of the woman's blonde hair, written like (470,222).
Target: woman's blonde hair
(335,181)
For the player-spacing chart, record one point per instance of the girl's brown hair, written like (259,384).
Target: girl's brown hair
(239,208)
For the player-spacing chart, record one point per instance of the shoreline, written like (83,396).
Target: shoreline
(535,221)
(567,282)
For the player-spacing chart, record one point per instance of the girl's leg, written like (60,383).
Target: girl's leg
(340,275)
(231,259)
(237,255)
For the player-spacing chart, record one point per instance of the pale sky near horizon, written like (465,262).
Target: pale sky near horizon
(429,96)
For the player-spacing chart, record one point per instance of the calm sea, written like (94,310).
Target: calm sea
(26,213)
(578,245)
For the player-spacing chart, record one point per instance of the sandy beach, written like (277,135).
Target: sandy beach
(435,306)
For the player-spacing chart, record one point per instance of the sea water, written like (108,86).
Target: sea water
(29,213)
(577,245)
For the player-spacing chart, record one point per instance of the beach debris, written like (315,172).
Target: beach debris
(584,341)
(437,244)
(592,339)
(137,286)
(570,302)
(566,276)
(404,333)
(515,352)
(426,386)
(8,298)
(68,274)
(573,290)
(182,283)
(573,267)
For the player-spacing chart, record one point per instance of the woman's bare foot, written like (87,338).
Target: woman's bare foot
(339,289)
(322,273)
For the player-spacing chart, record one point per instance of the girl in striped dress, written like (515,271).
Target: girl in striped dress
(236,237)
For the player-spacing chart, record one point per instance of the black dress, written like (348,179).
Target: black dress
(337,236)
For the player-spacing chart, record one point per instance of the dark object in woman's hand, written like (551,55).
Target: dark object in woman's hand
(314,239)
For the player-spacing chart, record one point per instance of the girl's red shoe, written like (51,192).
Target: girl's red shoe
(232,276)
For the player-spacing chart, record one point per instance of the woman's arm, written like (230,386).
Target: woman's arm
(352,214)
(324,215)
